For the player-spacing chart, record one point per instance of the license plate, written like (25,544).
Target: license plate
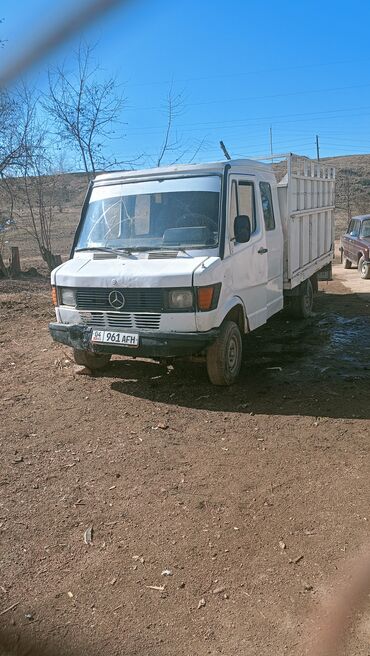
(110,337)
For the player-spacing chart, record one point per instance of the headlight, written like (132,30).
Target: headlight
(67,296)
(180,299)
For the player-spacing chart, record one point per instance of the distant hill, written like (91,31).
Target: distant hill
(352,197)
(352,187)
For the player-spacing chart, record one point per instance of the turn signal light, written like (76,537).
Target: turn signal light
(54,296)
(207,297)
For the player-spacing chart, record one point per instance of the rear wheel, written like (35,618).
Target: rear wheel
(347,263)
(90,360)
(364,268)
(224,356)
(301,306)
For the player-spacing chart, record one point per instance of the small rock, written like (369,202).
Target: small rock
(282,545)
(297,560)
(139,558)
(167,572)
(113,581)
(88,535)
(218,590)
(70,595)
(80,370)
(308,587)
(29,616)
(202,603)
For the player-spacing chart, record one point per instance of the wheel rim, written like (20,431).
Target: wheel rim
(364,268)
(232,354)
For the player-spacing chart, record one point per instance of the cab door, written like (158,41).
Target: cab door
(267,196)
(352,240)
(249,260)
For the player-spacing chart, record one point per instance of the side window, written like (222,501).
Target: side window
(355,229)
(246,204)
(268,210)
(349,229)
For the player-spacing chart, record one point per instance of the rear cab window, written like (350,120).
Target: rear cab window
(365,228)
(267,206)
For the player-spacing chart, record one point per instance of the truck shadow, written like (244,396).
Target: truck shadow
(317,367)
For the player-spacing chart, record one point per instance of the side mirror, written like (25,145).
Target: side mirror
(242,228)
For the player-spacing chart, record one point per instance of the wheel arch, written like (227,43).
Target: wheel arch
(235,311)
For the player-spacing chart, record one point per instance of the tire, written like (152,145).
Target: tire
(90,360)
(347,263)
(364,268)
(301,306)
(224,356)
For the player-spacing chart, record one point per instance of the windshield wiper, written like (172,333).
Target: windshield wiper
(106,249)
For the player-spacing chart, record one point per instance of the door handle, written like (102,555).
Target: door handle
(261,251)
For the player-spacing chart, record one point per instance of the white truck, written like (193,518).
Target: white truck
(185,260)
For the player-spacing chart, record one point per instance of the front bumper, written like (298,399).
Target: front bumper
(151,345)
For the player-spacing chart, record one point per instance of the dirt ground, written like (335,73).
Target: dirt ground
(251,497)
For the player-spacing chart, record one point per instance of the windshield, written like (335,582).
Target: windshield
(366,228)
(182,213)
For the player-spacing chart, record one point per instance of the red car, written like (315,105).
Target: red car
(356,245)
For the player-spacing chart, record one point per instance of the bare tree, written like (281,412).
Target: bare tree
(173,146)
(13,127)
(84,109)
(348,194)
(33,189)
(174,107)
(2,41)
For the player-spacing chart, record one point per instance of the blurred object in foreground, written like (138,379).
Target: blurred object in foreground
(69,24)
(349,596)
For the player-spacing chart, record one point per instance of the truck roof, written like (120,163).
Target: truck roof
(244,165)
(360,217)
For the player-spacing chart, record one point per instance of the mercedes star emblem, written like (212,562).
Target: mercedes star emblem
(116,299)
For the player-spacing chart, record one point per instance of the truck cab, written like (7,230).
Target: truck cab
(173,262)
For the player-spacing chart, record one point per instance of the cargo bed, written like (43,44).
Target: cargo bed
(306,200)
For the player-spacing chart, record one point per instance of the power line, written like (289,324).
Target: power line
(246,73)
(220,101)
(243,122)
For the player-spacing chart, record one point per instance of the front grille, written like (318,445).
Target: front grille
(147,321)
(136,299)
(121,321)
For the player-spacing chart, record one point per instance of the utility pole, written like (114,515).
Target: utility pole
(271,148)
(317,148)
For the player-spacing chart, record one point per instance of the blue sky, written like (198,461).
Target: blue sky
(300,67)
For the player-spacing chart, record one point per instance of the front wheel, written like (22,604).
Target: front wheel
(90,360)
(364,268)
(347,263)
(224,356)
